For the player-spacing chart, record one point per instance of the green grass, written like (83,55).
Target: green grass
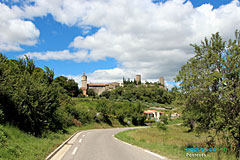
(171,143)
(19,145)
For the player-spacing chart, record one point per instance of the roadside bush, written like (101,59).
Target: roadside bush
(85,115)
(1,116)
(161,126)
(164,119)
(61,119)
(27,97)
(149,121)
(3,137)
(106,94)
(81,113)
(136,113)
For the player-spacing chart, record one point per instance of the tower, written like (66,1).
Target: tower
(161,81)
(138,79)
(84,84)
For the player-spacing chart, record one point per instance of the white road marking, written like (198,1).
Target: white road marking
(74,138)
(74,151)
(121,141)
(80,140)
(155,154)
(61,152)
(83,135)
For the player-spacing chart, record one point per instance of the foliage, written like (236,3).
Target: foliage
(136,111)
(106,94)
(151,92)
(164,119)
(91,93)
(1,116)
(161,126)
(69,85)
(62,119)
(210,83)
(19,145)
(28,98)
(3,136)
(82,113)
(163,122)
(104,108)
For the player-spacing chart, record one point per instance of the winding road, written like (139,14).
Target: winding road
(100,144)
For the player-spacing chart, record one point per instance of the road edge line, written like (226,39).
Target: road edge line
(65,142)
(147,151)
(60,147)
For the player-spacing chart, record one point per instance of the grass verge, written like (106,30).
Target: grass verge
(18,145)
(171,143)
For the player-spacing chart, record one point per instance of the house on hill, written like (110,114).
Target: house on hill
(153,114)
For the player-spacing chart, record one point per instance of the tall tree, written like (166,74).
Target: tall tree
(210,84)
(69,85)
(26,99)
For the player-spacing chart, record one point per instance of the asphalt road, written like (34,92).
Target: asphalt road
(100,144)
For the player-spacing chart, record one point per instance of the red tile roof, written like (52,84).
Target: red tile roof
(97,84)
(151,111)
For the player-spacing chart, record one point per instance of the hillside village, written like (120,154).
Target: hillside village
(101,87)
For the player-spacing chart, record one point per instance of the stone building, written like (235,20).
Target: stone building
(97,87)
(84,84)
(138,79)
(101,87)
(162,83)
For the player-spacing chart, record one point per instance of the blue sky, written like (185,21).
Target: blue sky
(109,40)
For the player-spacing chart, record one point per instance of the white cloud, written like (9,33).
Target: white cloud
(102,76)
(14,31)
(145,38)
(113,75)
(78,56)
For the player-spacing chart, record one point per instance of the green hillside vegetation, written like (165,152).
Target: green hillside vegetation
(88,110)
(149,92)
(35,107)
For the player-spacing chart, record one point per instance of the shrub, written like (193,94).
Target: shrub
(1,116)
(164,119)
(28,98)
(3,136)
(149,121)
(61,119)
(161,126)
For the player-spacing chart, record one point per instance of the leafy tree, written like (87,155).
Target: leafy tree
(69,85)
(104,108)
(28,98)
(106,94)
(210,85)
(72,87)
(137,115)
(91,93)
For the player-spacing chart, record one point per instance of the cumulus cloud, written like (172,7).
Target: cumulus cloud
(14,31)
(145,38)
(78,56)
(108,75)
(113,75)
(102,76)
